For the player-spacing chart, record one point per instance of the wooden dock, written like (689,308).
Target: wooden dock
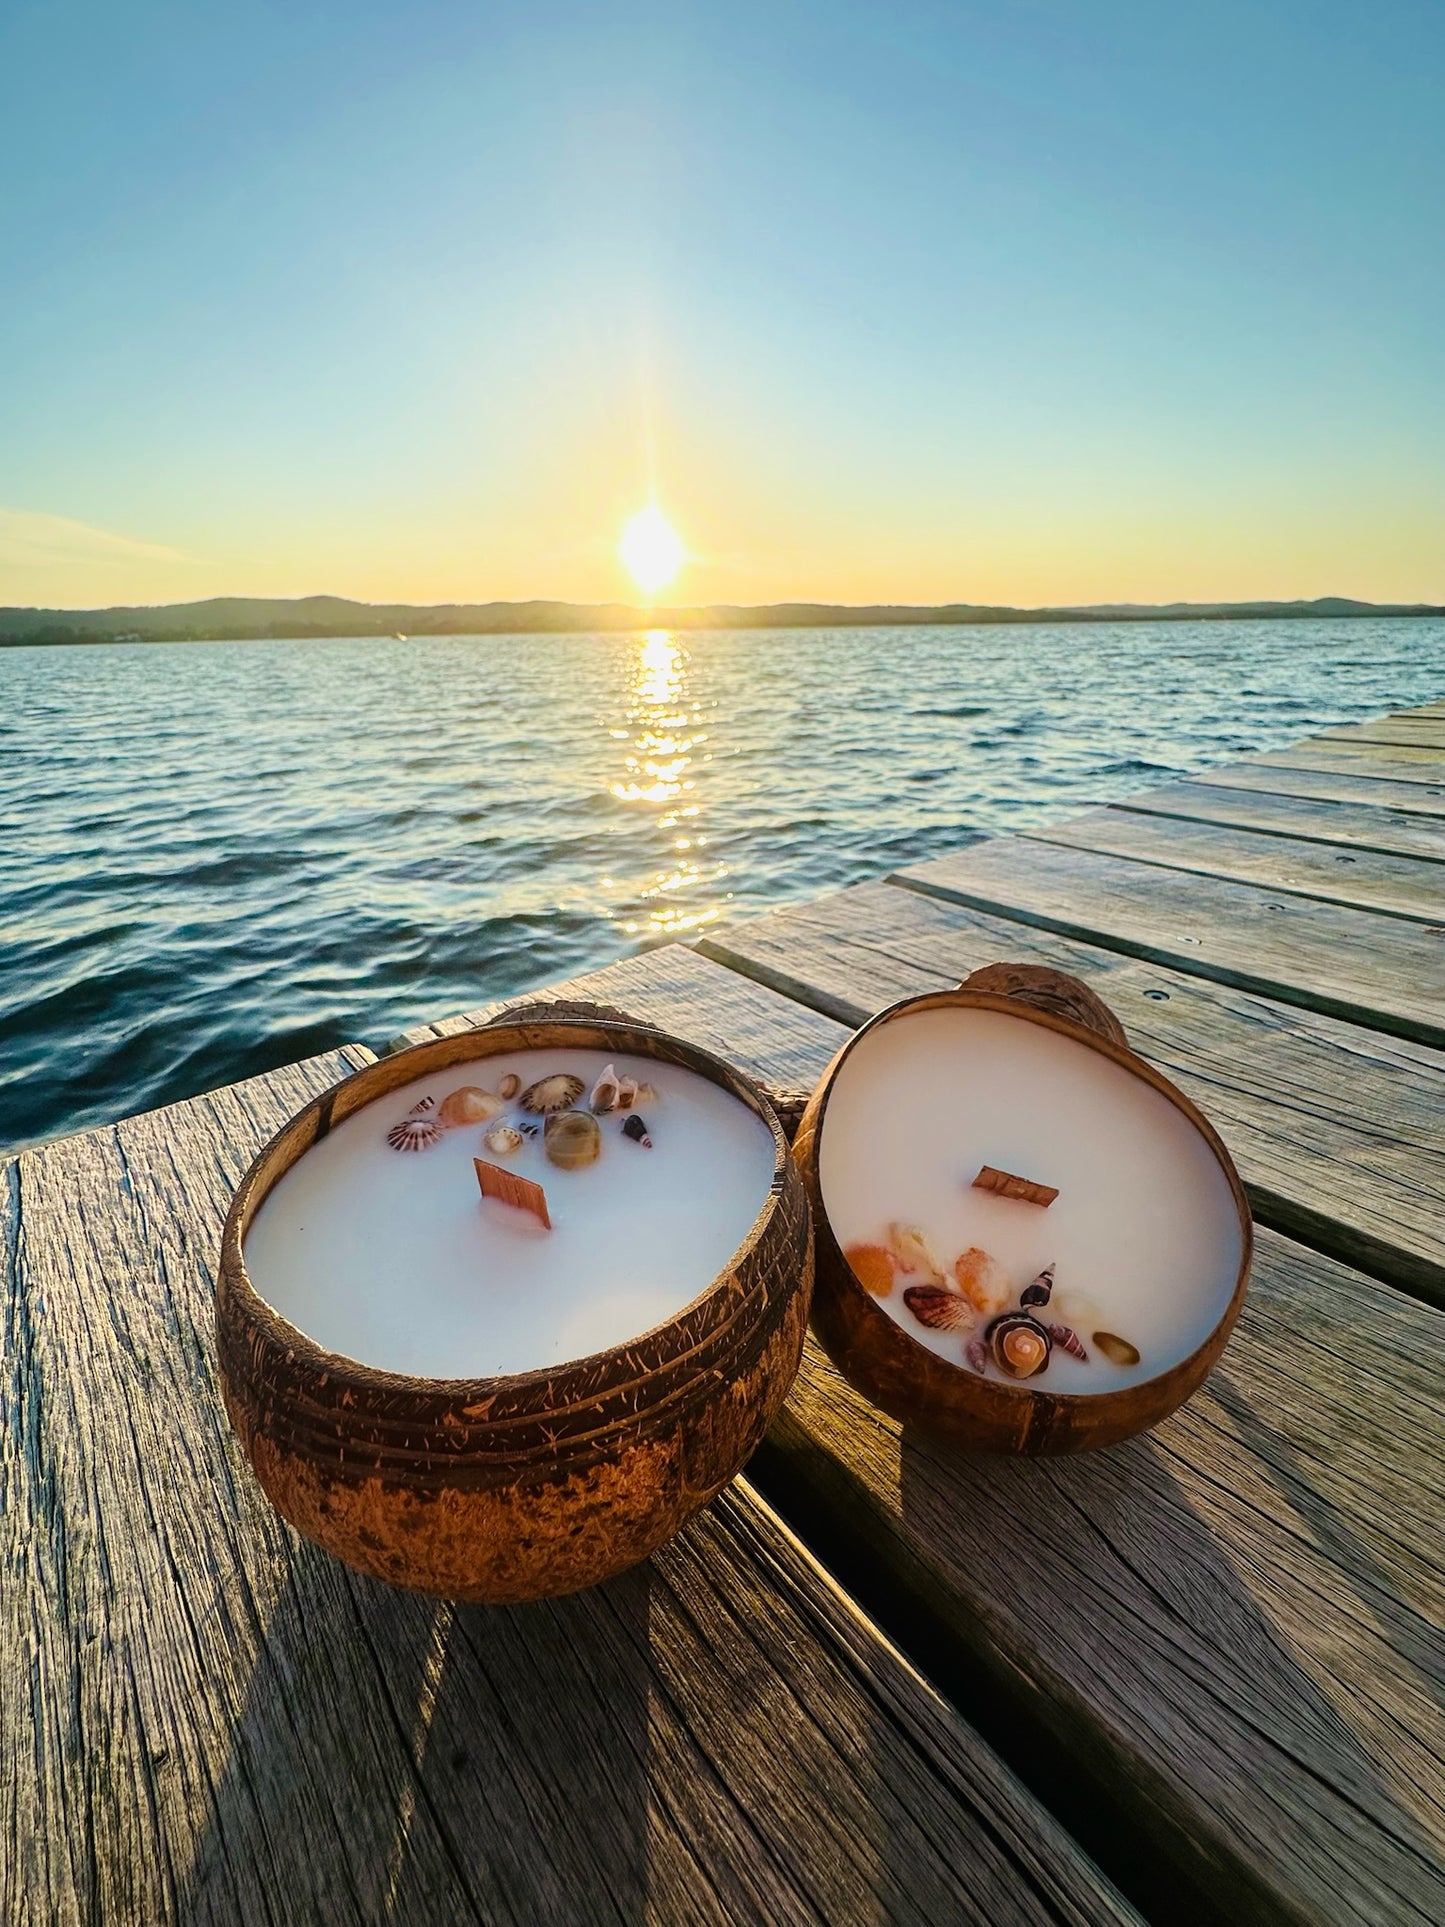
(1194,1678)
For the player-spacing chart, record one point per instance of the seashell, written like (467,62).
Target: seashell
(1041,1290)
(940,1310)
(1019,1344)
(572,1139)
(1118,1350)
(645,1094)
(606,1092)
(419,1130)
(976,1352)
(469,1105)
(1076,1308)
(503,1140)
(627,1093)
(872,1267)
(528,1126)
(982,1281)
(913,1251)
(634,1128)
(1067,1339)
(508,1087)
(559,1092)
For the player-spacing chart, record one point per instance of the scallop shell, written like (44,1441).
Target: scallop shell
(503,1140)
(873,1268)
(419,1130)
(559,1092)
(982,1280)
(1018,1344)
(469,1105)
(509,1086)
(1118,1350)
(572,1139)
(913,1251)
(606,1092)
(940,1310)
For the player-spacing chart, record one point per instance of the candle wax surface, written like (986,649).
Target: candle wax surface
(1144,1228)
(394,1258)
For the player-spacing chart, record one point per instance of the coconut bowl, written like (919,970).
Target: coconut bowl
(518,1487)
(953,1402)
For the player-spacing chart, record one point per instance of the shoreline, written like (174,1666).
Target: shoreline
(689,622)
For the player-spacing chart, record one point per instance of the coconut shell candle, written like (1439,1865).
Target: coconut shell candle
(497,1314)
(1027,1238)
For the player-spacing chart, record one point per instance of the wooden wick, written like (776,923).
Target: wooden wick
(506,1185)
(1006,1185)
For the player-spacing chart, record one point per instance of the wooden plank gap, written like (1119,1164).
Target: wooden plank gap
(1420,1031)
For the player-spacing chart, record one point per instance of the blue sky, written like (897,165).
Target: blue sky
(1022,302)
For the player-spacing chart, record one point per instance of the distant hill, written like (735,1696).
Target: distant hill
(236,618)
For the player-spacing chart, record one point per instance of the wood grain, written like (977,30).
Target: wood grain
(1400,762)
(1232,1626)
(1397,886)
(1407,728)
(1226,1636)
(1339,1133)
(1343,825)
(206,1719)
(1343,786)
(1377,971)
(790,950)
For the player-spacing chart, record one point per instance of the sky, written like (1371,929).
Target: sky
(1025,302)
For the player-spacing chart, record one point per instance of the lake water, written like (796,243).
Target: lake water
(219,857)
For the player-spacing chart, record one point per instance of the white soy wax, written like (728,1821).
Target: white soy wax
(1144,1225)
(394,1258)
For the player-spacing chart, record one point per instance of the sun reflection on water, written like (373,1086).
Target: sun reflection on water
(665,747)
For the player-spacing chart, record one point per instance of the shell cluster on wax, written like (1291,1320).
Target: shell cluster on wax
(557,1107)
(1006,1326)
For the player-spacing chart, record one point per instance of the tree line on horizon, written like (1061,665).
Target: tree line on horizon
(247,618)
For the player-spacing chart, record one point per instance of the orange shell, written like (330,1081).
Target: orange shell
(873,1267)
(982,1281)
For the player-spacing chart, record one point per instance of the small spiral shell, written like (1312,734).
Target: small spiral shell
(1068,1340)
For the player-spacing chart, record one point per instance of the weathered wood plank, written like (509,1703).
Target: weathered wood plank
(784,948)
(1341,825)
(1231,1626)
(206,1719)
(1400,762)
(653,986)
(1227,1635)
(1339,1133)
(1397,886)
(1400,799)
(1408,730)
(1372,970)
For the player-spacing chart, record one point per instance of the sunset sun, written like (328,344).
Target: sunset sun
(651,549)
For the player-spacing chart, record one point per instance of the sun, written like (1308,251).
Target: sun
(651,549)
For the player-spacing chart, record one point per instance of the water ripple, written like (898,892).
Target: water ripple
(217,858)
